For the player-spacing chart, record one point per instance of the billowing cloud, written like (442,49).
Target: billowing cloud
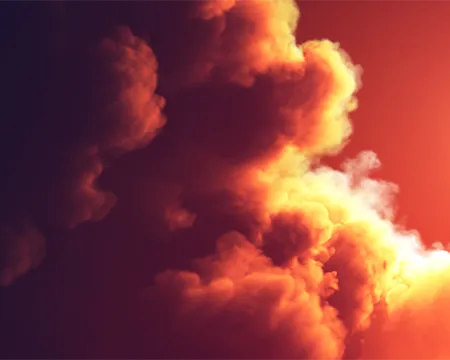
(316,258)
(308,262)
(118,111)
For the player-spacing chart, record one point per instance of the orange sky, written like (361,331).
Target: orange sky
(402,47)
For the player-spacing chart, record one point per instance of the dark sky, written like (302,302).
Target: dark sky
(83,300)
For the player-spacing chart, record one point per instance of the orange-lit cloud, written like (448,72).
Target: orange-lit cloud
(308,262)
(322,258)
(240,305)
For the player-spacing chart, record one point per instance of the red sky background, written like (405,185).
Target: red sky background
(403,104)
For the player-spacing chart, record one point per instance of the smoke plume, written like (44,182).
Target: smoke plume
(313,260)
(297,260)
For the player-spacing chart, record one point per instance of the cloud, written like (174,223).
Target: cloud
(116,111)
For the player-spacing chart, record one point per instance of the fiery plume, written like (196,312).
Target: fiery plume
(307,261)
(323,258)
